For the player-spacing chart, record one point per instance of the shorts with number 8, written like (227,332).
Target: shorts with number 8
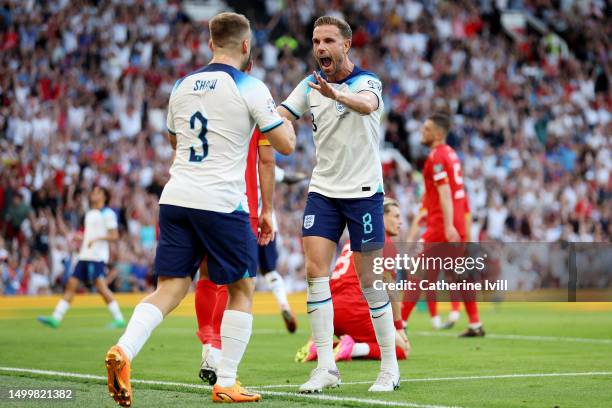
(327,217)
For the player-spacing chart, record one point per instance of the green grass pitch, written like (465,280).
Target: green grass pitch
(534,355)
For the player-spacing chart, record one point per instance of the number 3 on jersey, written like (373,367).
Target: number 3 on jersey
(193,156)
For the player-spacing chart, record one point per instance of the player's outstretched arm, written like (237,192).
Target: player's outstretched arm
(364,102)
(282,138)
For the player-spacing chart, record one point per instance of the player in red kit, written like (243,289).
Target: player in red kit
(352,324)
(420,221)
(445,202)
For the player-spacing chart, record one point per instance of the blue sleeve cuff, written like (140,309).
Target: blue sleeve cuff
(272,126)
(290,110)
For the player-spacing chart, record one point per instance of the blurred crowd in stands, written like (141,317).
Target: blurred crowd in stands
(84,87)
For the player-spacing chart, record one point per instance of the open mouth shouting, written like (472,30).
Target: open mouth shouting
(325,63)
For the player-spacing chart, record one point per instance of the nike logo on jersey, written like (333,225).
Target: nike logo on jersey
(363,241)
(313,310)
(314,106)
(376,317)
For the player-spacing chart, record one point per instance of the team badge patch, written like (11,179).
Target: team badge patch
(437,167)
(340,108)
(309,221)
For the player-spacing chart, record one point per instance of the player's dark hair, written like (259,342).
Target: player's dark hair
(388,203)
(343,26)
(441,119)
(107,195)
(227,30)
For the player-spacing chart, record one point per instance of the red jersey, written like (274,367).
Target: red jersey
(251,175)
(443,167)
(344,282)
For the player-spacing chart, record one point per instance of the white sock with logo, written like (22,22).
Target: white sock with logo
(235,335)
(321,315)
(144,320)
(382,320)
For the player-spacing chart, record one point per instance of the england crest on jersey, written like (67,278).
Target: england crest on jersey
(340,108)
(309,221)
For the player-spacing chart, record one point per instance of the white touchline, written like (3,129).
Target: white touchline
(475,377)
(520,337)
(206,387)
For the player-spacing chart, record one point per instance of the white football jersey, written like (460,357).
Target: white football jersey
(97,225)
(213,113)
(347,143)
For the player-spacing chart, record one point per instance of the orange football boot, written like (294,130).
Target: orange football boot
(118,368)
(235,393)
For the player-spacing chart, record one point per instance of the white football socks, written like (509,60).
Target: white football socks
(235,335)
(144,320)
(211,352)
(360,350)
(382,320)
(453,316)
(277,286)
(436,322)
(60,310)
(113,307)
(321,315)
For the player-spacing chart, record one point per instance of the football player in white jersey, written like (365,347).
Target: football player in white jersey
(100,229)
(346,190)
(203,209)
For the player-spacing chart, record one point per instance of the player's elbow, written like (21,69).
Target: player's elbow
(282,138)
(368,108)
(286,148)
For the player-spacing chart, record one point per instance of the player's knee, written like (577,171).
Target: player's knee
(242,288)
(173,287)
(316,269)
(241,295)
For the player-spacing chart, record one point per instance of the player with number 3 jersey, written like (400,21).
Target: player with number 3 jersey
(203,212)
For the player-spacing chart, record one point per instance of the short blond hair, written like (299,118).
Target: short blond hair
(227,30)
(388,203)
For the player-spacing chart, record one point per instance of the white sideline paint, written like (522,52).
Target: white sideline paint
(476,377)
(440,334)
(520,337)
(207,387)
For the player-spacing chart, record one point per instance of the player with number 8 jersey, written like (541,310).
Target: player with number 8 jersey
(346,191)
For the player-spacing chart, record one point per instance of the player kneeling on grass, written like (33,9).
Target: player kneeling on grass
(100,229)
(352,324)
(203,207)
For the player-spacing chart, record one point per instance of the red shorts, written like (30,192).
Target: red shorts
(355,322)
